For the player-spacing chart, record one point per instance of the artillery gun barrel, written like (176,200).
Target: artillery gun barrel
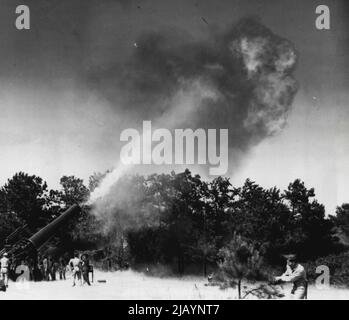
(43,235)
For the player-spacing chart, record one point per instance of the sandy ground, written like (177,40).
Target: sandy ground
(136,286)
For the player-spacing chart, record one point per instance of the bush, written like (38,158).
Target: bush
(240,260)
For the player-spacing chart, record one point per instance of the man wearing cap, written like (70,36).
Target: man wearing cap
(4,262)
(296,274)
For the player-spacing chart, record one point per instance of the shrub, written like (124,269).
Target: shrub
(240,260)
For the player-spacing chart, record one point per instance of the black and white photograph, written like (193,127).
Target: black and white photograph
(193,150)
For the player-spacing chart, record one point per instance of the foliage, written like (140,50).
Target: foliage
(180,219)
(241,260)
(341,223)
(25,196)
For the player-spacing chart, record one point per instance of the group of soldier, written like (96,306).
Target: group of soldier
(81,268)
(46,268)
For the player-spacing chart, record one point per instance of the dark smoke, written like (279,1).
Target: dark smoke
(248,68)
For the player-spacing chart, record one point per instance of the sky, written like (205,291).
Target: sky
(60,111)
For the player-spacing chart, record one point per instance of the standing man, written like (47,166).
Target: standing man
(75,265)
(49,268)
(45,268)
(53,269)
(85,268)
(295,273)
(62,268)
(4,261)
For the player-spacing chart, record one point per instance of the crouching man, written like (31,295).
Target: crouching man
(295,273)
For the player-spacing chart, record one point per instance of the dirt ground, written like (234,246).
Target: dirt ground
(137,286)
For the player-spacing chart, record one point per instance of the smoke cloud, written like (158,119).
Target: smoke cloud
(247,70)
(241,79)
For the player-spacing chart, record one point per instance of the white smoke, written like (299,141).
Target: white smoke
(244,83)
(184,105)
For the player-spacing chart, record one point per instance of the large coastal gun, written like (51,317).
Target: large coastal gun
(27,248)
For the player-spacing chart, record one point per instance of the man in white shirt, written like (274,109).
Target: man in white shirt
(75,266)
(295,273)
(4,261)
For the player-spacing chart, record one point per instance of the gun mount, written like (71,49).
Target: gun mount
(29,247)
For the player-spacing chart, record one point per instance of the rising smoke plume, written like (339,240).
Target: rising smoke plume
(240,79)
(248,68)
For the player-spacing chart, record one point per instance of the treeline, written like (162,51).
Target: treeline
(179,219)
(197,218)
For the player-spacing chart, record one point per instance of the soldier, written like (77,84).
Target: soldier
(75,265)
(295,273)
(62,268)
(45,268)
(4,261)
(53,269)
(85,268)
